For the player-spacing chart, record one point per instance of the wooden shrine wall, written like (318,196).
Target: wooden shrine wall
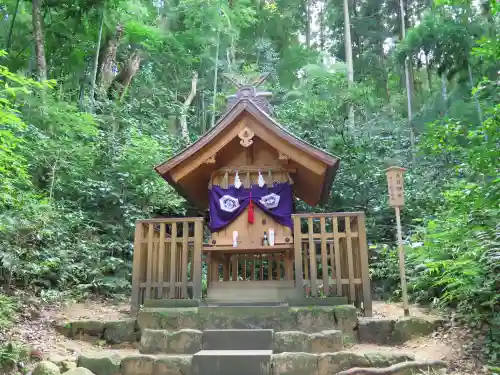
(248,161)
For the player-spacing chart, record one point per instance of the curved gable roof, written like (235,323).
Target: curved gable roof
(232,115)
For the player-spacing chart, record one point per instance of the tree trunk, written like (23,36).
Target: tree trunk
(476,100)
(348,54)
(322,27)
(216,61)
(122,81)
(429,72)
(11,29)
(96,61)
(409,93)
(37,20)
(444,94)
(108,60)
(185,108)
(308,23)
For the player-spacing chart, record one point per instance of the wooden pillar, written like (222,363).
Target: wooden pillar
(365,273)
(297,254)
(197,257)
(136,269)
(312,258)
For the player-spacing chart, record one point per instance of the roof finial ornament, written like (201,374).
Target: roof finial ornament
(249,91)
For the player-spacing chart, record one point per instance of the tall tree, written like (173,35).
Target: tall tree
(409,93)
(39,38)
(348,54)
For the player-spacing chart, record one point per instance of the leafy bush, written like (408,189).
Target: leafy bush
(8,309)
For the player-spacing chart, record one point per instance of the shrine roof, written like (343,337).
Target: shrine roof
(246,106)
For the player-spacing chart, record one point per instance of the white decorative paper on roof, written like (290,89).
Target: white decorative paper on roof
(260,180)
(237,181)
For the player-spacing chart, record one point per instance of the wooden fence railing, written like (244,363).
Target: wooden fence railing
(251,267)
(167,259)
(331,256)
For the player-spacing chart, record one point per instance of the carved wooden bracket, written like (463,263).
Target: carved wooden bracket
(282,156)
(246,136)
(211,159)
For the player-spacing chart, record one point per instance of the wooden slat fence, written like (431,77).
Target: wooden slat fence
(167,260)
(251,267)
(331,256)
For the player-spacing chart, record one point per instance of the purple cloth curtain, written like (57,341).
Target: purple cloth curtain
(219,219)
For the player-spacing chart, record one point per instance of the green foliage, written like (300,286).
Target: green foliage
(73,183)
(13,166)
(8,310)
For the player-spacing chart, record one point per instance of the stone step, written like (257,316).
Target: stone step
(308,319)
(250,291)
(127,362)
(190,341)
(231,362)
(237,339)
(215,303)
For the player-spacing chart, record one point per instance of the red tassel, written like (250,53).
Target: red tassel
(250,210)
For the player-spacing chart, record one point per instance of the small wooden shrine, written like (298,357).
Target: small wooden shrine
(248,171)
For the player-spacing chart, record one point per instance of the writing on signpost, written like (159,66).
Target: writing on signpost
(395,186)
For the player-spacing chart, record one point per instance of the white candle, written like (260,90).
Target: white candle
(271,236)
(235,238)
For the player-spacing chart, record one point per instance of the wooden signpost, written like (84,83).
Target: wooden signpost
(397,200)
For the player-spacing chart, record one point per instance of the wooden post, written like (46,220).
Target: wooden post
(365,272)
(396,200)
(136,269)
(297,254)
(197,255)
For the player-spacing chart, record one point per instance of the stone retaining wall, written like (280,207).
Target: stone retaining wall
(281,364)
(308,320)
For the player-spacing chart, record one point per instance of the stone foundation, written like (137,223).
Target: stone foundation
(281,364)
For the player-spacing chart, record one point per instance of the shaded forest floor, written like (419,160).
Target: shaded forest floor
(35,327)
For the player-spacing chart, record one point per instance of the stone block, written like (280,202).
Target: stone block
(238,339)
(169,303)
(375,331)
(172,365)
(138,365)
(171,319)
(410,327)
(120,331)
(46,368)
(65,366)
(314,301)
(327,341)
(244,317)
(63,328)
(94,328)
(331,363)
(346,317)
(100,363)
(231,362)
(291,341)
(154,341)
(295,364)
(79,371)
(314,319)
(185,341)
